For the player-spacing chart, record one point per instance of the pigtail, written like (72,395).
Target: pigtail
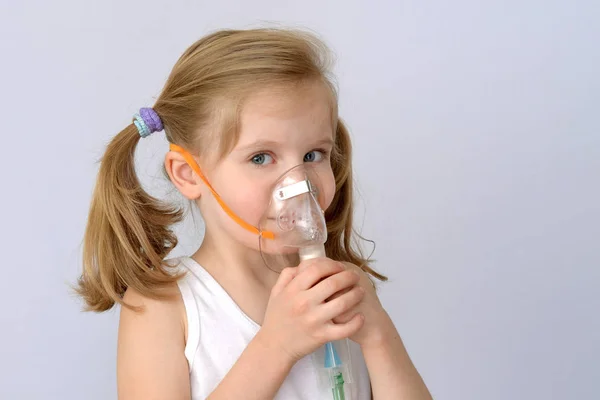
(127,234)
(339,215)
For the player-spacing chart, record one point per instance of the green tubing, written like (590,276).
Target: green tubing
(338,389)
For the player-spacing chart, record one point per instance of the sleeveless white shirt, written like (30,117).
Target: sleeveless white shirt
(219,331)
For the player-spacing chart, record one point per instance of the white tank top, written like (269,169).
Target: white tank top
(219,331)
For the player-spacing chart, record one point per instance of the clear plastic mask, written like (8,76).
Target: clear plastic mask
(295,218)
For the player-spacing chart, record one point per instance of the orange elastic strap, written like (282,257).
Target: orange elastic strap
(190,160)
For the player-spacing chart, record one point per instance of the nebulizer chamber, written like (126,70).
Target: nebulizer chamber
(297,222)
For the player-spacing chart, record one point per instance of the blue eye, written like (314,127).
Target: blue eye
(261,159)
(314,156)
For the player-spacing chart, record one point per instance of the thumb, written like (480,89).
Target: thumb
(286,276)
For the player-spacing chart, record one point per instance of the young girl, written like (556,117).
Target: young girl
(239,109)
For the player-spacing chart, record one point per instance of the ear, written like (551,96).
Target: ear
(183,176)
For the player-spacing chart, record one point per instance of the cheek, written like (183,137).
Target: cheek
(252,203)
(247,198)
(327,189)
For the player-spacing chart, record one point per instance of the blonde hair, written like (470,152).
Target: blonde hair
(128,232)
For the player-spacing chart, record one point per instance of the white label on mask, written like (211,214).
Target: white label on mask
(293,190)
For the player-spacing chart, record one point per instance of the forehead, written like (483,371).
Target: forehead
(304,109)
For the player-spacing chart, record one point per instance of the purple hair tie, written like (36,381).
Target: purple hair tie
(147,122)
(151,119)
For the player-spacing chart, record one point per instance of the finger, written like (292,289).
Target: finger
(342,304)
(332,285)
(345,317)
(312,273)
(286,276)
(339,293)
(307,263)
(342,331)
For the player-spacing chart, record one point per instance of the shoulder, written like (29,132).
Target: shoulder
(146,310)
(355,267)
(150,357)
(365,277)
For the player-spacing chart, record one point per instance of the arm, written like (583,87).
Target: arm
(297,321)
(393,375)
(247,381)
(151,364)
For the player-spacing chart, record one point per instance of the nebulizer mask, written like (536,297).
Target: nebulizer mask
(292,230)
(294,219)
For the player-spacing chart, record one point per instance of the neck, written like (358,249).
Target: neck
(225,258)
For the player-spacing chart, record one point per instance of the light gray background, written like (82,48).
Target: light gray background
(477,154)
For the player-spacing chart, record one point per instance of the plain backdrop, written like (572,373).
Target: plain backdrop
(477,158)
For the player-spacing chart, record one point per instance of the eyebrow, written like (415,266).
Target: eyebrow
(263,144)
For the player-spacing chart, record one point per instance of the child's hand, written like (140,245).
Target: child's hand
(376,318)
(298,320)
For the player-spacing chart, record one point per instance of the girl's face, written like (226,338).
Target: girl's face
(279,129)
